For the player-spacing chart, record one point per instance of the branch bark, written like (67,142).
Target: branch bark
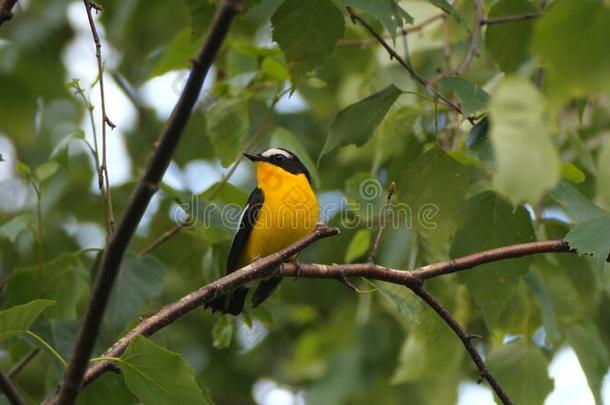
(6,10)
(103,180)
(262,268)
(140,198)
(466,341)
(10,390)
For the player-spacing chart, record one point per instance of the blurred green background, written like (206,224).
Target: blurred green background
(532,170)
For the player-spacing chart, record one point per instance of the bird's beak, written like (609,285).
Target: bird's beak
(254,157)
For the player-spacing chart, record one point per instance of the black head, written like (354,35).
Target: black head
(282,158)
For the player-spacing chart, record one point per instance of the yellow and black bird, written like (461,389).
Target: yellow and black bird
(281,210)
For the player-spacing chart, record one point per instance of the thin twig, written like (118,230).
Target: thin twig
(475,38)
(172,312)
(510,18)
(375,249)
(16,369)
(6,10)
(260,130)
(10,391)
(140,198)
(363,43)
(393,54)
(466,341)
(103,167)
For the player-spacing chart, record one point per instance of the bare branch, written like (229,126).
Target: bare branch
(466,341)
(140,198)
(511,18)
(394,55)
(6,10)
(104,181)
(10,391)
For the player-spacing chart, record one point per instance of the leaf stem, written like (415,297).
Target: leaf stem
(47,346)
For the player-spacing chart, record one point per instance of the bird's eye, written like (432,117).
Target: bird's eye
(279,158)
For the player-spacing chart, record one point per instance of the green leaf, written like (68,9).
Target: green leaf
(434,188)
(157,376)
(446,7)
(395,136)
(571,172)
(19,319)
(472,98)
(13,228)
(539,289)
(46,170)
(388,12)
(307,31)
(358,246)
(478,141)
(283,138)
(527,162)
(491,222)
(274,70)
(585,339)
(200,14)
(591,237)
(63,279)
(178,53)
(508,44)
(222,332)
(603,173)
(581,27)
(355,124)
(521,368)
(61,152)
(140,280)
(577,206)
(400,298)
(227,125)
(109,385)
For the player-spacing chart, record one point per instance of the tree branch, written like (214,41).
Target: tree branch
(511,18)
(475,38)
(466,341)
(363,43)
(10,390)
(103,180)
(394,55)
(6,10)
(262,268)
(140,198)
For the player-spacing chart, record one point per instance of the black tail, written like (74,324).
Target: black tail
(229,303)
(264,290)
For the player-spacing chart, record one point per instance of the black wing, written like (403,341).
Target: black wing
(233,303)
(247,221)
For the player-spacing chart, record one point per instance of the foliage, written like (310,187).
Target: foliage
(529,160)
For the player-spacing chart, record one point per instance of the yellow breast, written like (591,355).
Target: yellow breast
(290,211)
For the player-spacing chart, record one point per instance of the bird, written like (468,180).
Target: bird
(282,209)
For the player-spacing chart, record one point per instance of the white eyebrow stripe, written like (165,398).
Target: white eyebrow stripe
(275,151)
